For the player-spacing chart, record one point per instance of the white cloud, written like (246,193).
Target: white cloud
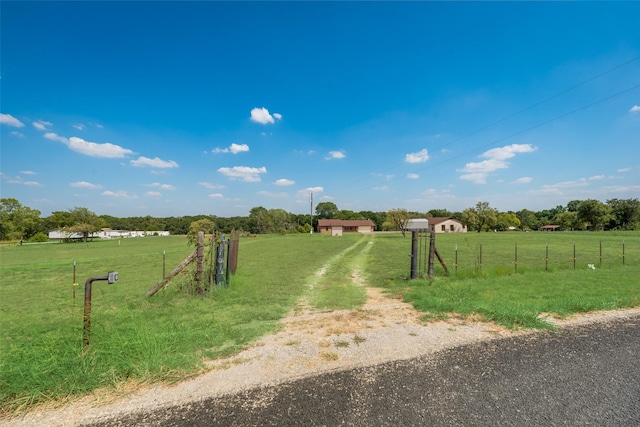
(508,151)
(79,126)
(92,149)
(281,195)
(9,120)
(313,190)
(635,109)
(419,157)
(302,196)
(262,116)
(382,188)
(413,176)
(243,173)
(154,163)
(596,177)
(28,173)
(624,170)
(233,148)
(20,181)
(17,134)
(42,125)
(630,189)
(565,184)
(211,186)
(55,137)
(162,186)
(120,194)
(216,196)
(523,180)
(283,182)
(85,184)
(335,155)
(477,172)
(153,194)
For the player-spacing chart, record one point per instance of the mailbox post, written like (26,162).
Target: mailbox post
(111,278)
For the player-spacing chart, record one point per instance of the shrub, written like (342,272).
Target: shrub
(39,237)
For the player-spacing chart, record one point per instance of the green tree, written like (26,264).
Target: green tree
(569,220)
(625,214)
(573,205)
(528,219)
(399,218)
(85,222)
(378,218)
(205,225)
(471,219)
(594,213)
(260,221)
(18,221)
(481,217)
(279,218)
(327,210)
(506,220)
(59,220)
(439,213)
(347,214)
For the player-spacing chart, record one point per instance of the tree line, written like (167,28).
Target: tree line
(22,222)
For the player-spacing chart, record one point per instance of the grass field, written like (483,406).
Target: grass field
(168,336)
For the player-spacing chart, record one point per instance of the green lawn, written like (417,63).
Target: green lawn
(493,288)
(168,336)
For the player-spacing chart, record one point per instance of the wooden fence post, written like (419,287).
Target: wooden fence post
(414,254)
(432,252)
(200,262)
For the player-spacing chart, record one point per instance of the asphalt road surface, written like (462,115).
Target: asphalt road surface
(584,375)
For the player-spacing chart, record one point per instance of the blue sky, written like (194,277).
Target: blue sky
(171,109)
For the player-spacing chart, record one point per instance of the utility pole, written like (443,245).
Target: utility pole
(311,211)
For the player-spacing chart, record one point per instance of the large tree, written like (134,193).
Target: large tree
(17,221)
(85,222)
(260,220)
(439,213)
(594,213)
(528,219)
(280,221)
(569,220)
(327,210)
(205,225)
(481,217)
(625,214)
(506,220)
(399,218)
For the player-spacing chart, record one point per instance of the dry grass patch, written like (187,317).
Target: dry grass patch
(329,356)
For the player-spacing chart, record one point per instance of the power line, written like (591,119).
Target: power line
(582,83)
(540,124)
(536,104)
(558,117)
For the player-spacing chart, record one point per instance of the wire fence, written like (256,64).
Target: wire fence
(515,257)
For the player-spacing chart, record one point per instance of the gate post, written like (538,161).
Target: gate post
(432,251)
(200,262)
(414,254)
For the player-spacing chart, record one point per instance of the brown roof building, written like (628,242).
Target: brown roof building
(446,225)
(338,226)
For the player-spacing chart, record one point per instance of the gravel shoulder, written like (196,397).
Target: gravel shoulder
(307,343)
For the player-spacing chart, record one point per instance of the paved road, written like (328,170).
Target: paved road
(586,375)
